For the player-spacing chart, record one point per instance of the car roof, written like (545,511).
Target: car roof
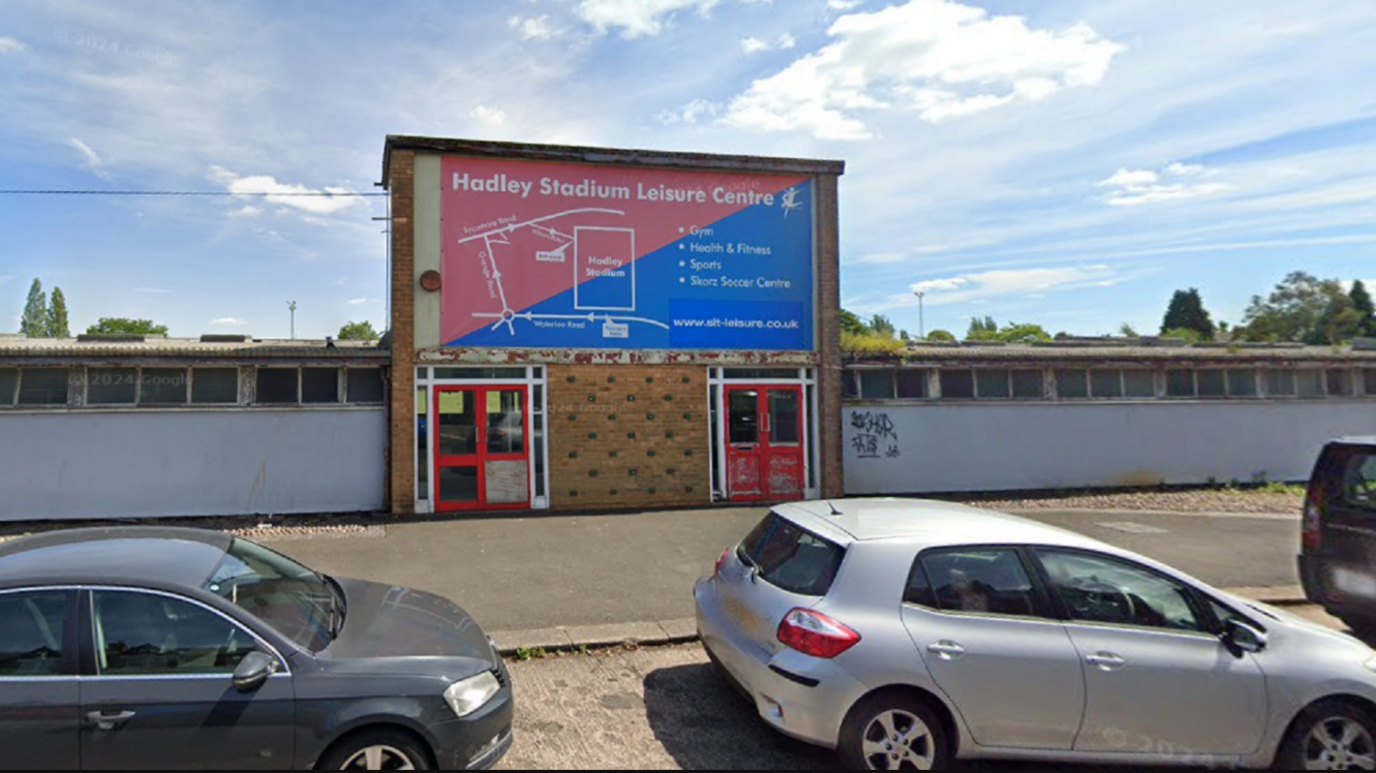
(141,556)
(1356,441)
(933,524)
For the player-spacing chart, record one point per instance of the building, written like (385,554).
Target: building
(1098,414)
(592,329)
(143,427)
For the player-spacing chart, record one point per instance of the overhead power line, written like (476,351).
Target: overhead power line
(227,194)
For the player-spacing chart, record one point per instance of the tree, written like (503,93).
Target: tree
(122,326)
(1301,309)
(1128,331)
(1365,307)
(35,321)
(1187,312)
(58,324)
(358,331)
(883,326)
(905,336)
(1185,334)
(851,323)
(1023,334)
(983,329)
(942,337)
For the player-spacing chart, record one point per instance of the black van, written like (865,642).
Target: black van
(1338,561)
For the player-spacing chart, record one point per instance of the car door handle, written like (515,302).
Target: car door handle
(1106,661)
(110,720)
(947,650)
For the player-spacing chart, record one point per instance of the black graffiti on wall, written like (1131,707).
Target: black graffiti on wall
(874,436)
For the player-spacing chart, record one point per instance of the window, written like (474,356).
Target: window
(1104,590)
(1072,384)
(215,386)
(993,385)
(140,634)
(1027,385)
(1139,384)
(1311,384)
(295,601)
(1106,384)
(43,386)
(1340,383)
(278,386)
(919,592)
(32,625)
(1359,482)
(365,386)
(9,384)
(493,374)
(958,384)
(850,385)
(876,384)
(1180,384)
(162,386)
(1213,384)
(1281,383)
(990,582)
(1370,375)
(1242,384)
(111,386)
(792,559)
(760,374)
(423,442)
(320,386)
(912,384)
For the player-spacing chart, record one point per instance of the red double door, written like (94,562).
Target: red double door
(481,448)
(766,445)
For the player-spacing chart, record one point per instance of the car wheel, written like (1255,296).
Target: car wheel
(1333,735)
(376,750)
(894,731)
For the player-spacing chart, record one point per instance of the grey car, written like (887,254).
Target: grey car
(173,649)
(908,635)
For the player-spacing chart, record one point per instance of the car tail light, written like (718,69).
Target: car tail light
(815,634)
(1313,521)
(717,572)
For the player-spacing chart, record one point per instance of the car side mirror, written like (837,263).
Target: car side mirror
(254,671)
(1243,639)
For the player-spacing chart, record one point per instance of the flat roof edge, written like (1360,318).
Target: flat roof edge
(604,156)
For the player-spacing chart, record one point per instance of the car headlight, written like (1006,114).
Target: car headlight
(470,695)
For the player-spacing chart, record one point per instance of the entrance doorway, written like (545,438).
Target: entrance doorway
(765,443)
(481,448)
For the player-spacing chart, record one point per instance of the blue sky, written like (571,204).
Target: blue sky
(1069,163)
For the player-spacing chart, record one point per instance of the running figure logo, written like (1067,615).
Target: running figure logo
(790,202)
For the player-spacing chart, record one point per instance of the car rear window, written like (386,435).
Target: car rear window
(1359,481)
(792,558)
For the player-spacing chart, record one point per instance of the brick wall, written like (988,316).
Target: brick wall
(403,414)
(628,437)
(830,451)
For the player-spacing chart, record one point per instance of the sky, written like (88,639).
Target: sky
(1069,164)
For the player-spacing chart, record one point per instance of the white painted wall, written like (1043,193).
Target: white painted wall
(140,464)
(975,447)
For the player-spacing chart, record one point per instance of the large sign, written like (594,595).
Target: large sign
(575,256)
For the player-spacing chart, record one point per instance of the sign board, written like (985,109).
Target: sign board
(552,255)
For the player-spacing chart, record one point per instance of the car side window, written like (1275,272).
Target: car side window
(981,581)
(1106,590)
(32,625)
(1359,482)
(142,634)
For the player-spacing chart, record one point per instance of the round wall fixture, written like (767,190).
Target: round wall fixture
(431,282)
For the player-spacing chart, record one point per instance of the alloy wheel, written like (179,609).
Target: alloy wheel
(1340,744)
(379,758)
(898,740)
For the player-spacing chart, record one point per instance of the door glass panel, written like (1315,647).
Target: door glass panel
(784,420)
(422,443)
(457,424)
(31,633)
(744,417)
(141,635)
(986,582)
(458,484)
(1100,589)
(506,422)
(1359,484)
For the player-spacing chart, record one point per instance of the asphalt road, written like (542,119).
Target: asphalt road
(526,574)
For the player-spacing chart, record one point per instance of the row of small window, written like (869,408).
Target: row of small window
(165,387)
(1108,384)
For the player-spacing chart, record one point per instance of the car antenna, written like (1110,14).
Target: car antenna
(834,511)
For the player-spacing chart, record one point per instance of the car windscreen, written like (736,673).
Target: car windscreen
(791,558)
(297,602)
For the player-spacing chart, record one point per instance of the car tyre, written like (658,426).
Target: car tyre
(1332,735)
(376,750)
(894,731)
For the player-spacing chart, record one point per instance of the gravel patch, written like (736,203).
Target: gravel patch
(258,529)
(1183,501)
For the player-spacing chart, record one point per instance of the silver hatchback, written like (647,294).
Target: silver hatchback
(907,635)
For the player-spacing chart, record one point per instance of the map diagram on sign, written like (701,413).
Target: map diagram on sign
(557,255)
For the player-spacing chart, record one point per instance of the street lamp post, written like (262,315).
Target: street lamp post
(292,305)
(921,315)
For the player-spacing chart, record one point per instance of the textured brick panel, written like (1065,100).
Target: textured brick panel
(403,416)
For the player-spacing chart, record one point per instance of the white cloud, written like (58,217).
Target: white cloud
(93,162)
(229,322)
(753,45)
(318,202)
(12,46)
(5,278)
(938,58)
(641,18)
(691,113)
(492,116)
(534,27)
(1138,187)
(843,5)
(358,302)
(967,288)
